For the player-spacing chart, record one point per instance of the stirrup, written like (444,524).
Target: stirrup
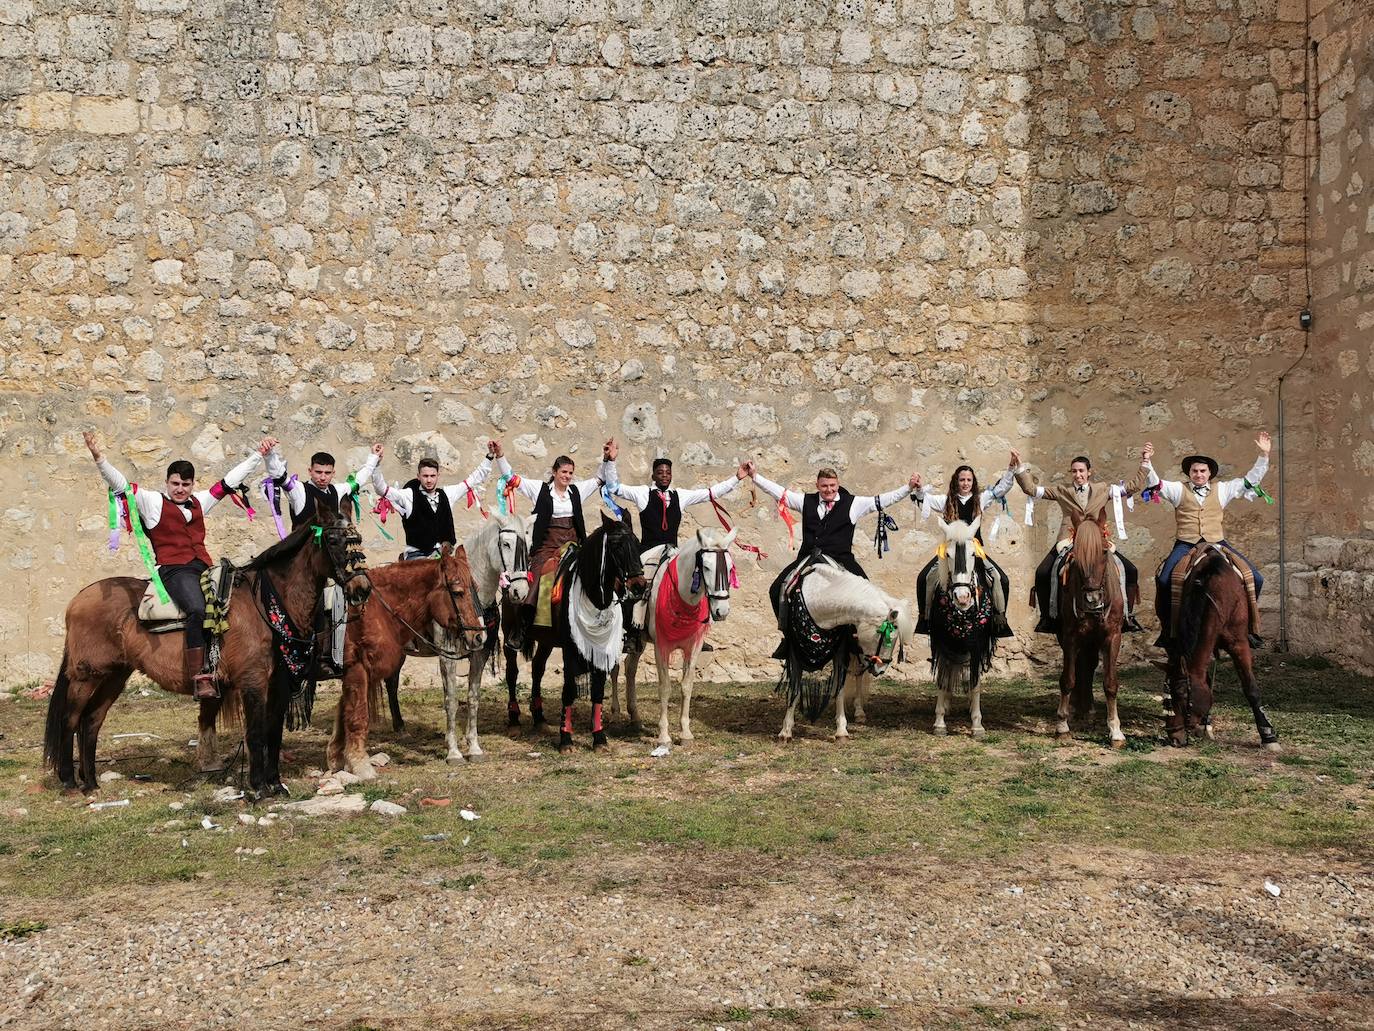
(205,689)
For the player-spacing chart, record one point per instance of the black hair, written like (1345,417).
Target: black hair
(662,461)
(181,468)
(558,463)
(321,458)
(428,463)
(1082,458)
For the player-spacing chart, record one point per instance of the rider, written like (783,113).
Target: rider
(1086,497)
(557,508)
(965,501)
(426,509)
(829,515)
(1198,506)
(321,493)
(661,506)
(179,544)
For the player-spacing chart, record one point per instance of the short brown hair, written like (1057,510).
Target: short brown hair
(827,473)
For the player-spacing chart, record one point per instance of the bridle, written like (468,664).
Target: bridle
(422,636)
(887,642)
(519,565)
(352,563)
(721,580)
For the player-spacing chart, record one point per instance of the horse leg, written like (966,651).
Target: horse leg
(512,672)
(89,728)
(449,675)
(665,693)
(1110,655)
(599,742)
(475,667)
(861,697)
(615,690)
(689,674)
(785,734)
(208,759)
(941,704)
(253,689)
(393,699)
(565,729)
(841,724)
(277,701)
(975,703)
(1062,734)
(631,688)
(542,651)
(353,723)
(1243,660)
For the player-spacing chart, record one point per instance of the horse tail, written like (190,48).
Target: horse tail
(1194,606)
(59,705)
(230,715)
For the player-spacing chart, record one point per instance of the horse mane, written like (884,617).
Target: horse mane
(1193,607)
(1089,554)
(283,551)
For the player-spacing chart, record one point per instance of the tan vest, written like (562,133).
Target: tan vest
(1199,519)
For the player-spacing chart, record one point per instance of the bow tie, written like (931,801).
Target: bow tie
(1081,488)
(182,504)
(1202,491)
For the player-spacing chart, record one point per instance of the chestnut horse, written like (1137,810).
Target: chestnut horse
(409,600)
(1092,606)
(1214,614)
(106,643)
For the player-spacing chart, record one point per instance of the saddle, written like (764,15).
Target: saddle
(812,645)
(553,578)
(1183,573)
(159,617)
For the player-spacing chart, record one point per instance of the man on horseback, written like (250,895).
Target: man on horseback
(1085,497)
(316,494)
(661,505)
(966,502)
(426,508)
(829,515)
(1198,508)
(174,521)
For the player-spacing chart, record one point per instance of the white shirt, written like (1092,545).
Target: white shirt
(276,468)
(936,502)
(861,506)
(405,499)
(639,496)
(1227,490)
(562,500)
(149,502)
(1114,490)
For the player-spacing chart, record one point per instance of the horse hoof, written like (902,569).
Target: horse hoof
(1063,738)
(840,739)
(1118,743)
(455,759)
(979,732)
(940,731)
(784,739)
(1273,746)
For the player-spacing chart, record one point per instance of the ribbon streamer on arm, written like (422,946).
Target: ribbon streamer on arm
(997,520)
(1259,492)
(505,493)
(272,490)
(753,549)
(145,549)
(119,515)
(353,489)
(1030,511)
(886,525)
(787,517)
(381,510)
(1118,515)
(616,510)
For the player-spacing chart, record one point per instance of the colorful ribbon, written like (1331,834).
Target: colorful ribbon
(505,493)
(1259,491)
(353,489)
(1117,513)
(616,510)
(753,549)
(886,525)
(997,520)
(145,548)
(119,513)
(273,495)
(787,517)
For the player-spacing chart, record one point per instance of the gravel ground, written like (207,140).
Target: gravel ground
(690,940)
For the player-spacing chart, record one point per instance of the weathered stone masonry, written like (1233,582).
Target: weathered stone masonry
(884,235)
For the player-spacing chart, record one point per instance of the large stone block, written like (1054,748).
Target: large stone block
(105,116)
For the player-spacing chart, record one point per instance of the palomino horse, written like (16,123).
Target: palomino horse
(690,592)
(1091,608)
(878,622)
(106,643)
(588,623)
(408,599)
(498,555)
(1214,614)
(962,632)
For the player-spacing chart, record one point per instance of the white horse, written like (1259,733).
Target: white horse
(836,597)
(498,555)
(959,643)
(701,574)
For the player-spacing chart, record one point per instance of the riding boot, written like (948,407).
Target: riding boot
(780,652)
(1003,627)
(1131,625)
(1046,625)
(203,687)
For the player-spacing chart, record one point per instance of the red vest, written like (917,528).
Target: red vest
(176,541)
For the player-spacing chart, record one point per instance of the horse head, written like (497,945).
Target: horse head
(510,552)
(1089,558)
(452,603)
(622,568)
(957,571)
(889,638)
(714,572)
(342,548)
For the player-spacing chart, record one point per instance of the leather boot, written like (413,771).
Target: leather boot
(203,687)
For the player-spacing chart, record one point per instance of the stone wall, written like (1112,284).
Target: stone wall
(1333,581)
(882,234)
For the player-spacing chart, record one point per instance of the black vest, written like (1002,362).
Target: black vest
(427,528)
(659,525)
(968,512)
(315,499)
(833,535)
(543,514)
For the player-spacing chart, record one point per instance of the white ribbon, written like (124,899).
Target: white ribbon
(1120,517)
(1030,512)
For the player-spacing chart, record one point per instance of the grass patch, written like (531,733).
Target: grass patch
(17,930)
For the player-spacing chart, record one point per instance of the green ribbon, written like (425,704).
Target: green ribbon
(145,548)
(353,496)
(318,532)
(1260,492)
(885,631)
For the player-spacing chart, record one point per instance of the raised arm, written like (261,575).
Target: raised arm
(148,502)
(366,472)
(1170,490)
(1240,487)
(695,496)
(474,480)
(529,488)
(866,505)
(791,498)
(637,496)
(234,478)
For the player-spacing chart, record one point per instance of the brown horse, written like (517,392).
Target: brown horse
(1091,608)
(1214,614)
(408,600)
(106,643)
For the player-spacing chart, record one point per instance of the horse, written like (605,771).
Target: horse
(408,599)
(1214,614)
(106,643)
(588,623)
(682,608)
(498,555)
(877,624)
(963,636)
(1092,606)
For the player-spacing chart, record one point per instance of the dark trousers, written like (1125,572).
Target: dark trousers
(1046,567)
(846,561)
(183,587)
(1181,550)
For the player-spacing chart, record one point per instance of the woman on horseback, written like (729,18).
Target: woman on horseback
(964,501)
(557,508)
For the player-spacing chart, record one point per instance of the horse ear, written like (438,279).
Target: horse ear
(1102,518)
(608,523)
(977,522)
(730,537)
(444,550)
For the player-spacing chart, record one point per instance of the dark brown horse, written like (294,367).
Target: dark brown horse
(1214,614)
(409,600)
(106,643)
(588,621)
(1091,608)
